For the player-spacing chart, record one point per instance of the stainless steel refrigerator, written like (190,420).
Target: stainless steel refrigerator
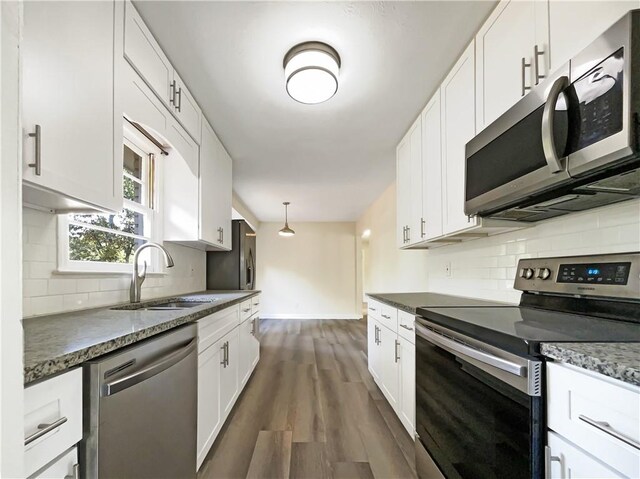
(235,269)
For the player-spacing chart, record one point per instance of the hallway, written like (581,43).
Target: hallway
(311,410)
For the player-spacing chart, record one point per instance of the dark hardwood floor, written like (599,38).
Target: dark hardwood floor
(311,410)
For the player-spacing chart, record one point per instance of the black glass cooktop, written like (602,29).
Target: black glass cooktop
(522,329)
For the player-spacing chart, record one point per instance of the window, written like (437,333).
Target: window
(107,242)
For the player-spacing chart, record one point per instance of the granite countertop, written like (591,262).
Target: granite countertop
(58,342)
(617,360)
(410,302)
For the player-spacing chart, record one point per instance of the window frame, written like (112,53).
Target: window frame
(137,142)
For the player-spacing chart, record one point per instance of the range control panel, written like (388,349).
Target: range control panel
(612,275)
(598,273)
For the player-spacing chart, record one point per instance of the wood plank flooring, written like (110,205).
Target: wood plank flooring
(311,410)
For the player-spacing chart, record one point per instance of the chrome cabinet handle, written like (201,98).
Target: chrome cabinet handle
(372,309)
(607,429)
(408,234)
(396,352)
(406,327)
(220,235)
(422,225)
(548,459)
(224,355)
(386,317)
(377,335)
(151,370)
(172,94)
(537,53)
(75,474)
(44,429)
(456,347)
(548,145)
(524,66)
(253,327)
(38,160)
(256,304)
(179,95)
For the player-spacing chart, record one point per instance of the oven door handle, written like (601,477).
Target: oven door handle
(459,348)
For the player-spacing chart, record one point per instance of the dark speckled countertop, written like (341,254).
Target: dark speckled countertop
(616,360)
(58,342)
(410,302)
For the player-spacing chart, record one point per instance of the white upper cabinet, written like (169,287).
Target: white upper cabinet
(144,53)
(215,190)
(506,49)
(458,127)
(68,99)
(592,17)
(403,186)
(432,169)
(409,186)
(146,56)
(185,107)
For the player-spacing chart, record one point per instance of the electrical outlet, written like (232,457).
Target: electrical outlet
(447,269)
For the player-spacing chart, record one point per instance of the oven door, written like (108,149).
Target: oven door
(473,420)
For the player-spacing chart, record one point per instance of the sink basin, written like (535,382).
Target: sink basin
(177,305)
(166,306)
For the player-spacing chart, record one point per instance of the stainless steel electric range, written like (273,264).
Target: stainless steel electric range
(480,408)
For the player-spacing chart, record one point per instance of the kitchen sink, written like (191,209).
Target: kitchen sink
(166,306)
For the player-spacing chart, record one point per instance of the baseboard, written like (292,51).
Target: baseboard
(309,316)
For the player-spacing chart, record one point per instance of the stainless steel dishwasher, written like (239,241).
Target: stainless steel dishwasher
(140,410)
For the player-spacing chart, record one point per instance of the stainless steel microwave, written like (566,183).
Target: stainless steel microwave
(571,144)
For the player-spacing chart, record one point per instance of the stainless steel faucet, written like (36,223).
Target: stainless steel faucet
(138,277)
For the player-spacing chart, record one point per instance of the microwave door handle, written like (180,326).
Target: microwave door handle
(548,145)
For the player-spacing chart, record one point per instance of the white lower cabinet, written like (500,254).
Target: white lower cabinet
(391,362)
(64,467)
(228,352)
(567,461)
(594,424)
(52,424)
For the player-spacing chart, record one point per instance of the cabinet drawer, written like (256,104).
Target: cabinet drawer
(255,305)
(389,317)
(61,468)
(245,310)
(213,327)
(374,309)
(406,327)
(590,411)
(53,401)
(569,461)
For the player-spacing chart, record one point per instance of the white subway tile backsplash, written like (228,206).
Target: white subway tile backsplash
(47,292)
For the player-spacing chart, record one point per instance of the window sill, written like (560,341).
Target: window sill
(76,272)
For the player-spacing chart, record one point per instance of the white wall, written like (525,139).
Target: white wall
(309,275)
(47,292)
(11,366)
(485,268)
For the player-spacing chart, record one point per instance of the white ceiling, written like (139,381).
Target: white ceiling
(330,160)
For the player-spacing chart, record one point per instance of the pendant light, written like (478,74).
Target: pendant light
(311,72)
(286,231)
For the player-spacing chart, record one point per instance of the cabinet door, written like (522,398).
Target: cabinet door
(67,53)
(141,105)
(229,371)
(246,351)
(62,468)
(223,191)
(569,461)
(255,342)
(458,127)
(507,37)
(407,396)
(415,233)
(209,215)
(181,178)
(593,18)
(372,348)
(432,169)
(186,109)
(209,419)
(403,188)
(389,365)
(146,56)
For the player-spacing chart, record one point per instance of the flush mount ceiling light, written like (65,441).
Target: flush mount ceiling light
(286,231)
(311,72)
